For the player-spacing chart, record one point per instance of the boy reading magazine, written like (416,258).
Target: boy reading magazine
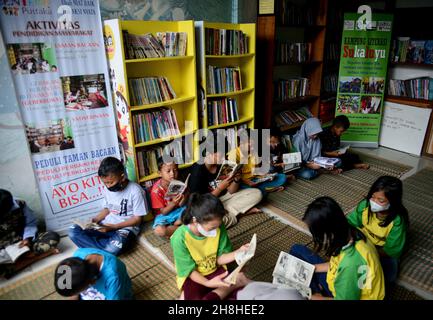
(293,273)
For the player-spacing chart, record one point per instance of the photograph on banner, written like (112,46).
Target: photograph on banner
(84,92)
(362,75)
(54,135)
(30,58)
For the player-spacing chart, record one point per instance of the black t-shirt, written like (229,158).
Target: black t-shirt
(329,141)
(200,178)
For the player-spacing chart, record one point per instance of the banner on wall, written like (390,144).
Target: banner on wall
(362,75)
(57,59)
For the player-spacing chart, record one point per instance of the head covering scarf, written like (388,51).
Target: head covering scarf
(309,148)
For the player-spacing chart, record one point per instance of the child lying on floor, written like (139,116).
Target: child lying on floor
(18,230)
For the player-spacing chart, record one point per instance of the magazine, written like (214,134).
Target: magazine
(292,161)
(292,272)
(242,258)
(228,168)
(87,224)
(343,150)
(327,163)
(14,251)
(176,187)
(263,178)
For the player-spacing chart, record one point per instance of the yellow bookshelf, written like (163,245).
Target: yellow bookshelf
(181,74)
(245,97)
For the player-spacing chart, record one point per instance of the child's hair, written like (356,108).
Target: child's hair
(341,121)
(393,189)
(329,226)
(81,274)
(110,165)
(204,207)
(211,143)
(6,201)
(160,162)
(274,132)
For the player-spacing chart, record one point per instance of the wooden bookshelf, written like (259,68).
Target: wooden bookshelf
(245,98)
(180,71)
(420,103)
(270,30)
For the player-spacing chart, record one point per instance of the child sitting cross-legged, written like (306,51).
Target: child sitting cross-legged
(167,211)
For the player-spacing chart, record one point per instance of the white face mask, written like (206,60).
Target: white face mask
(377,207)
(210,234)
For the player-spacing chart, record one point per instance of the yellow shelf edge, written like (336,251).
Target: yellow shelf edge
(161,104)
(231,123)
(228,94)
(227,56)
(156,175)
(165,139)
(162,59)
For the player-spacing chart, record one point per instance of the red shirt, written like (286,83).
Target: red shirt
(157,197)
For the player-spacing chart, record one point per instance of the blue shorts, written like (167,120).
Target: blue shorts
(169,218)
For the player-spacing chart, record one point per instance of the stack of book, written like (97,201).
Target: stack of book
(417,88)
(292,117)
(295,14)
(150,90)
(147,159)
(155,125)
(165,44)
(222,111)
(223,79)
(291,88)
(229,134)
(225,42)
(407,50)
(293,52)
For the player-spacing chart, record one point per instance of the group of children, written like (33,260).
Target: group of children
(370,238)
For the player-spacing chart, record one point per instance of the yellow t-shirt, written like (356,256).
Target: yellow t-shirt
(356,273)
(248,162)
(193,252)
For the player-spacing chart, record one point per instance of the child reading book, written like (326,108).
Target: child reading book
(281,160)
(94,275)
(251,178)
(331,146)
(201,249)
(121,217)
(353,271)
(236,202)
(20,242)
(167,209)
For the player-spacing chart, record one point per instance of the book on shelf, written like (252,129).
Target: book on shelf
(325,162)
(290,13)
(164,44)
(327,109)
(222,111)
(225,42)
(417,88)
(242,257)
(87,224)
(291,88)
(332,52)
(150,90)
(407,50)
(155,125)
(293,52)
(223,79)
(176,187)
(14,251)
(292,117)
(292,272)
(330,82)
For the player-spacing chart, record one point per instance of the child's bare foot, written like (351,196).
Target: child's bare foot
(275,189)
(253,210)
(290,177)
(364,166)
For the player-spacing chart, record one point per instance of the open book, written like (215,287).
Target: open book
(263,178)
(14,251)
(343,150)
(87,224)
(291,272)
(228,169)
(176,187)
(327,163)
(242,258)
(292,161)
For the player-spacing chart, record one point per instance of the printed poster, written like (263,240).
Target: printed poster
(57,59)
(362,76)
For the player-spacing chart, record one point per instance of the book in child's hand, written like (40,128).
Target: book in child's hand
(292,161)
(242,258)
(14,251)
(293,272)
(327,163)
(264,178)
(87,224)
(228,169)
(343,150)
(176,187)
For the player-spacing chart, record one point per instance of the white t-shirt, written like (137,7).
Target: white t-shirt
(125,204)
